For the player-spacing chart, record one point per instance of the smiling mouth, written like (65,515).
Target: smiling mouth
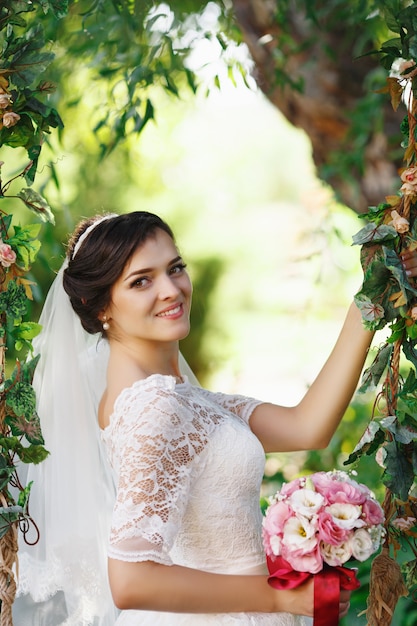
(171,312)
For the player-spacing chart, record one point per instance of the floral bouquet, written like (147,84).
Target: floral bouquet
(313,526)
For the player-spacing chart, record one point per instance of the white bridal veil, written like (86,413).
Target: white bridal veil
(62,579)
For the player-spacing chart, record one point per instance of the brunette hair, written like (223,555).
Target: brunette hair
(100,258)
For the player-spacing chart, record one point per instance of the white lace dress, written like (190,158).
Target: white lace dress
(189,472)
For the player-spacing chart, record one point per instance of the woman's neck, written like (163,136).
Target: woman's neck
(146,359)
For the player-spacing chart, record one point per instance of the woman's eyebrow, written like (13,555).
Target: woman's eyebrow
(147,270)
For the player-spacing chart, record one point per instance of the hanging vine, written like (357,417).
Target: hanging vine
(388,297)
(25,119)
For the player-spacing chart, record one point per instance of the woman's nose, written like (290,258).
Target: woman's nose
(168,288)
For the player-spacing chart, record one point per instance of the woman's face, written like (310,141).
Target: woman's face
(151,300)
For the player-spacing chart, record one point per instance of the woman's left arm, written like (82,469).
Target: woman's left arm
(311,423)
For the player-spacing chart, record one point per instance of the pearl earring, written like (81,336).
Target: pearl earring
(106,325)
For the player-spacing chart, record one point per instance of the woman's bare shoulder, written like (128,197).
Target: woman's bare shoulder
(118,379)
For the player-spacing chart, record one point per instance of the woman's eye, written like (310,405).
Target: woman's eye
(140,282)
(177,269)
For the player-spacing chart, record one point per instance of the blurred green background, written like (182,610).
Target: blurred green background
(267,246)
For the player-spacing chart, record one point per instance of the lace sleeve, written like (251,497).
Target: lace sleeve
(155,447)
(242,406)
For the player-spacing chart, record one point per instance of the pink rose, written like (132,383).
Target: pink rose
(329,531)
(273,523)
(409,175)
(7,255)
(304,562)
(10,118)
(288,488)
(337,491)
(372,512)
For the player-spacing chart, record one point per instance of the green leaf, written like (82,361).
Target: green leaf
(35,202)
(27,330)
(25,244)
(410,353)
(392,46)
(58,7)
(29,427)
(402,433)
(372,438)
(384,277)
(30,173)
(408,404)
(410,384)
(23,371)
(21,398)
(370,312)
(377,214)
(372,375)
(13,302)
(5,225)
(7,519)
(412,331)
(394,264)
(374,234)
(23,498)
(398,475)
(33,454)
(5,472)
(17,136)
(391,21)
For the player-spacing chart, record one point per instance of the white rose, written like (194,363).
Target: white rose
(346,515)
(306,502)
(10,118)
(299,534)
(401,224)
(336,555)
(404,523)
(275,543)
(361,544)
(5,100)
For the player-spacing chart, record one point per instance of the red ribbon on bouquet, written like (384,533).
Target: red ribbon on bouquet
(327,585)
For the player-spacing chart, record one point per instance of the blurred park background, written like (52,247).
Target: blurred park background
(267,244)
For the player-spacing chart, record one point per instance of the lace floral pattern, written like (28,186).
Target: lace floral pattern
(189,474)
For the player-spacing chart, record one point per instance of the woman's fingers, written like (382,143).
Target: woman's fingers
(343,609)
(409,261)
(344,602)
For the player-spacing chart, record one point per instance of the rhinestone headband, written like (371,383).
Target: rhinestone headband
(88,230)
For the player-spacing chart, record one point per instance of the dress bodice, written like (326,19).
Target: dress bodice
(189,472)
(187,467)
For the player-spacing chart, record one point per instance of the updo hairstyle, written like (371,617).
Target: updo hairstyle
(101,258)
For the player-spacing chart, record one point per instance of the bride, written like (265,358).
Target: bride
(148,471)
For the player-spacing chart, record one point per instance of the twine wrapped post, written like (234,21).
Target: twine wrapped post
(8,558)
(387,584)
(8,542)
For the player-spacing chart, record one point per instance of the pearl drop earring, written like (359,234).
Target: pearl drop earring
(106,325)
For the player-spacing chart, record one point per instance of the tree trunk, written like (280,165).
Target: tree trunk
(350,136)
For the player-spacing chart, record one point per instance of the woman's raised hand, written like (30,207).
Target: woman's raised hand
(409,261)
